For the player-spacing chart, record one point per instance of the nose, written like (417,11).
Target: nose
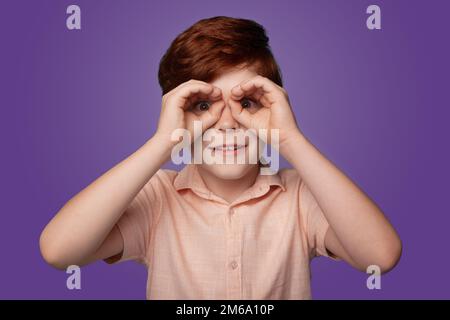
(226,120)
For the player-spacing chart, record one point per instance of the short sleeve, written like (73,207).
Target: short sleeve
(136,223)
(314,221)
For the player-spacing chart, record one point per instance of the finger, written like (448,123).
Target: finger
(256,94)
(212,115)
(267,90)
(264,101)
(215,95)
(195,88)
(240,114)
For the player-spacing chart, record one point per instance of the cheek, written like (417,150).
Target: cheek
(253,153)
(253,109)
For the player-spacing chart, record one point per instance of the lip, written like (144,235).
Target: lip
(229,148)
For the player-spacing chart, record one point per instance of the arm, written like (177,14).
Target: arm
(359,233)
(84,229)
(76,234)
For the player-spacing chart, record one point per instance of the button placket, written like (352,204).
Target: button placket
(234,257)
(233,264)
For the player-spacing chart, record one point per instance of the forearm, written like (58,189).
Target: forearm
(359,225)
(84,222)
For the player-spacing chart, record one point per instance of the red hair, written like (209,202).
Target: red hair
(211,46)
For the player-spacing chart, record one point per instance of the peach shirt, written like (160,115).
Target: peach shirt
(196,245)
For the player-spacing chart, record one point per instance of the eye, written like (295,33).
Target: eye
(247,103)
(200,106)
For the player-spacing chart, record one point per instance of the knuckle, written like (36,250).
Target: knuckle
(195,81)
(264,79)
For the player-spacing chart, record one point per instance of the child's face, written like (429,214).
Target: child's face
(228,128)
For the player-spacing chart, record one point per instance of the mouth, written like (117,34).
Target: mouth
(229,148)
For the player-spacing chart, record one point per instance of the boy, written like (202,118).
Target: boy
(223,231)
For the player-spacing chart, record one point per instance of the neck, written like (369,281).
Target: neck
(229,189)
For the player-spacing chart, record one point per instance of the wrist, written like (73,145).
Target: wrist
(160,145)
(164,139)
(291,141)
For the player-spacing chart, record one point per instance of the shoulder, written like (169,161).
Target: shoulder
(162,179)
(159,187)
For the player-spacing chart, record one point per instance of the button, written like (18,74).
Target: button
(233,265)
(232,211)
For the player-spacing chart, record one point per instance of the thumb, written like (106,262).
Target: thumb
(240,114)
(210,117)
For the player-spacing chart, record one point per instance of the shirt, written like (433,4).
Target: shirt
(196,245)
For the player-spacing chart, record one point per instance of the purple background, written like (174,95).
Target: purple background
(74,103)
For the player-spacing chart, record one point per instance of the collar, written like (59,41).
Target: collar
(190,178)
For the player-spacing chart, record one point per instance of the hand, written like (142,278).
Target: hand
(271,109)
(191,101)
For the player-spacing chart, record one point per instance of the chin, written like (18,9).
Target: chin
(228,171)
